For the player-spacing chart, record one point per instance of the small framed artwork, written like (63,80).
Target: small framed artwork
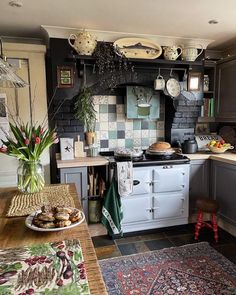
(65,76)
(194,81)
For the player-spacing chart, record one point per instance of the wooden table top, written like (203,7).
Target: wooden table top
(14,233)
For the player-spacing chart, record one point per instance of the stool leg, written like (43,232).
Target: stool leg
(198,224)
(215,227)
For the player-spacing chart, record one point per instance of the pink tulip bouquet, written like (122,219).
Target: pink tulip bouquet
(27,144)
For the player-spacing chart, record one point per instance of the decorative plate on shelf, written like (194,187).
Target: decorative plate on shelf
(30,224)
(137,48)
(173,87)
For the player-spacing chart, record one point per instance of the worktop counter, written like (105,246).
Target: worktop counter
(226,157)
(82,162)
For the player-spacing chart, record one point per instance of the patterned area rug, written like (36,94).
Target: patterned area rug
(191,269)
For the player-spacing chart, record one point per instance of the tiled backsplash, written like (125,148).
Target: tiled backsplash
(114,130)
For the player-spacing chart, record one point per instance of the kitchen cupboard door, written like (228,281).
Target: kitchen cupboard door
(78,176)
(136,209)
(168,179)
(226,89)
(199,182)
(224,189)
(168,205)
(142,179)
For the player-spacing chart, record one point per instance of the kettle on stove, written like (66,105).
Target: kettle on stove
(190,146)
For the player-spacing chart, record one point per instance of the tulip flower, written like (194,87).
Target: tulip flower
(3,149)
(27,141)
(37,140)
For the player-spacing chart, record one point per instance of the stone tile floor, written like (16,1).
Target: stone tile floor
(162,238)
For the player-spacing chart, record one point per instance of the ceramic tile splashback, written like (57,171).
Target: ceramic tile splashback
(114,130)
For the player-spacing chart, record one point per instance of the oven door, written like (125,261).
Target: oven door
(142,180)
(170,178)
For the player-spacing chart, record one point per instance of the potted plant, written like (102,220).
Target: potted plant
(86,114)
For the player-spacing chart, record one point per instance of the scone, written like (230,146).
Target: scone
(64,210)
(47,225)
(75,215)
(63,223)
(62,216)
(45,216)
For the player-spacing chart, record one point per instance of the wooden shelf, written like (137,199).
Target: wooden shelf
(209,92)
(206,119)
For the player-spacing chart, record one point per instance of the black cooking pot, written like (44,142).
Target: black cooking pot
(190,146)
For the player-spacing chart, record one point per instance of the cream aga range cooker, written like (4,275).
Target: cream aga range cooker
(160,195)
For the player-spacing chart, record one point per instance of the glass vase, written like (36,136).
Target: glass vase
(30,177)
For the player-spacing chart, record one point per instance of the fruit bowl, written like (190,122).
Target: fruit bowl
(219,150)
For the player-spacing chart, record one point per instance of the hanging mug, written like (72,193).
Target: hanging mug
(159,83)
(191,53)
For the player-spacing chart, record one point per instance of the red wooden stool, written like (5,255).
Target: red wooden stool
(206,206)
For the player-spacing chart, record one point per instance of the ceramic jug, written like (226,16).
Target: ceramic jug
(191,53)
(84,42)
(171,52)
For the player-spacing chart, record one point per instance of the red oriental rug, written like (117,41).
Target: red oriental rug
(194,269)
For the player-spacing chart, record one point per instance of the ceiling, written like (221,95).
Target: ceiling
(182,18)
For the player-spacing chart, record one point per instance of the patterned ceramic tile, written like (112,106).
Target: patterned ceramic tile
(160,125)
(153,133)
(97,126)
(112,117)
(96,107)
(112,143)
(144,124)
(112,134)
(152,140)
(120,125)
(104,126)
(129,125)
(111,108)
(160,133)
(137,142)
(152,125)
(137,124)
(145,142)
(120,134)
(137,134)
(103,108)
(104,143)
(120,142)
(120,109)
(112,126)
(144,133)
(103,99)
(104,135)
(129,134)
(111,99)
(96,99)
(129,143)
(103,117)
(119,100)
(120,117)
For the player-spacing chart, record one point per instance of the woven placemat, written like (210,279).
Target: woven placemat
(25,204)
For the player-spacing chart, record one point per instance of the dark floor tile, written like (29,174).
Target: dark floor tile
(101,241)
(182,239)
(228,250)
(158,244)
(153,236)
(107,252)
(127,240)
(176,230)
(141,247)
(127,249)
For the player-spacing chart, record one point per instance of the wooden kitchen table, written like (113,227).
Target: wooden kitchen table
(14,233)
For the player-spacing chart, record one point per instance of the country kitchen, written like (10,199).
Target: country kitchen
(117,147)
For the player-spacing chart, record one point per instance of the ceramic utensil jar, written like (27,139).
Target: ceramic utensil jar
(159,83)
(84,43)
(191,53)
(171,52)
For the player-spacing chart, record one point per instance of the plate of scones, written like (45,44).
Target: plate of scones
(50,219)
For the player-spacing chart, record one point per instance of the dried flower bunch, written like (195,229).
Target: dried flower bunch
(29,141)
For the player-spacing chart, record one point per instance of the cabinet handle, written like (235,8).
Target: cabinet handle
(136,182)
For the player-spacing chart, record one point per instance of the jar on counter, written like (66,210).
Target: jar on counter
(206,82)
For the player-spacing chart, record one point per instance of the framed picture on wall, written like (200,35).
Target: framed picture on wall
(65,76)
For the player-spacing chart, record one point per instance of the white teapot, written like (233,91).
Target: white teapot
(171,52)
(84,42)
(190,53)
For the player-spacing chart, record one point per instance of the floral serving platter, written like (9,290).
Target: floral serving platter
(137,48)
(29,223)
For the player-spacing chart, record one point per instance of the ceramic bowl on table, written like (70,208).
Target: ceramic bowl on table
(220,150)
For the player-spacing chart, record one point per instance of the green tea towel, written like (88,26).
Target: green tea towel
(111,211)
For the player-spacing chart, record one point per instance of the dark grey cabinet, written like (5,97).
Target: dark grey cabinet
(226,91)
(199,182)
(224,189)
(78,176)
